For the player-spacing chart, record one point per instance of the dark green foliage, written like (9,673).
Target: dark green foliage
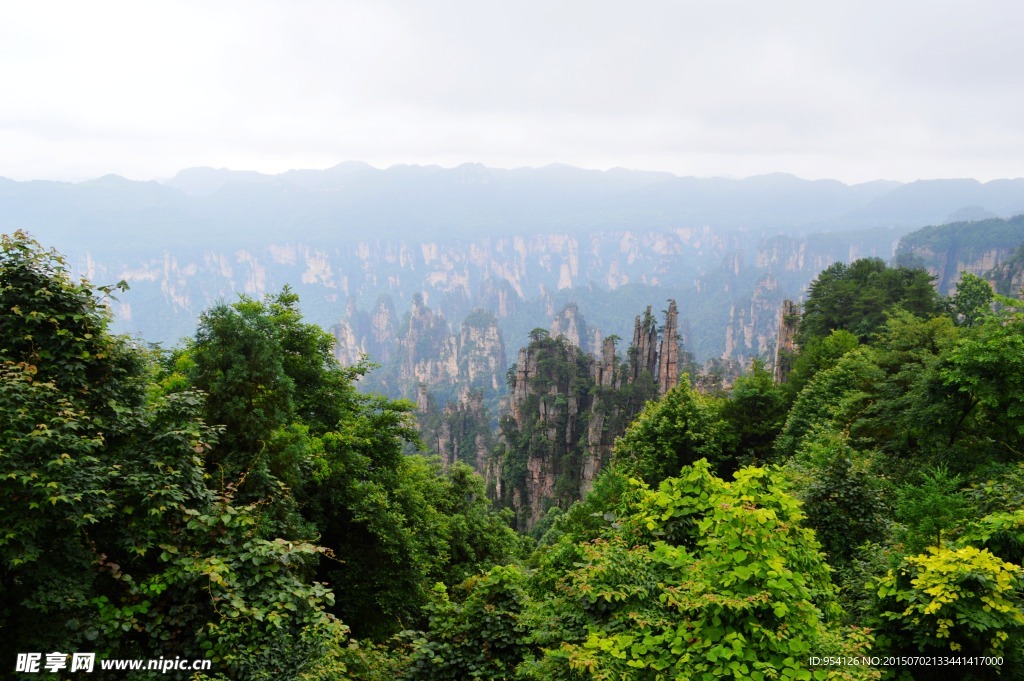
(754,415)
(394,524)
(972,301)
(855,298)
(918,412)
(929,509)
(113,542)
(477,636)
(56,327)
(396,532)
(845,506)
(134,528)
(983,375)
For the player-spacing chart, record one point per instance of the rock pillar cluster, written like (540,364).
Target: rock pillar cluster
(789,319)
(567,407)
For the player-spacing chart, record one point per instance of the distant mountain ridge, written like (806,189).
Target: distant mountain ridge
(519,243)
(352,199)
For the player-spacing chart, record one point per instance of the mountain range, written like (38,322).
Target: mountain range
(520,243)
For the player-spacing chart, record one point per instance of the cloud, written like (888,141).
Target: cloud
(854,91)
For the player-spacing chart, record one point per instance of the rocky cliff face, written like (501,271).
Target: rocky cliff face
(567,407)
(521,279)
(785,348)
(947,251)
(423,350)
(366,334)
(1007,278)
(481,353)
(569,324)
(459,431)
(541,447)
(668,351)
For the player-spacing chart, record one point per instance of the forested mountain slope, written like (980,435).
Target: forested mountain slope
(977,247)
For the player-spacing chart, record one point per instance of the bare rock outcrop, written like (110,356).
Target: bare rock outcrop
(785,348)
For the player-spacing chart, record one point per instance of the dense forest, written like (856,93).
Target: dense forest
(237,499)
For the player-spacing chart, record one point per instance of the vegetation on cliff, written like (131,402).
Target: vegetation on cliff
(949,249)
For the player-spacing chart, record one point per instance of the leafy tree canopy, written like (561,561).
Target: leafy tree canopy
(855,297)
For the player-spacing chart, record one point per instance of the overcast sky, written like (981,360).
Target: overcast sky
(849,90)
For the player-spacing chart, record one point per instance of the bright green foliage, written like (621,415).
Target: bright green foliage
(479,636)
(983,374)
(675,431)
(818,355)
(706,579)
(952,600)
(1002,533)
(829,401)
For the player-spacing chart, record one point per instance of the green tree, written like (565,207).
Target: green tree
(702,579)
(677,430)
(112,541)
(323,460)
(930,508)
(972,300)
(982,376)
(953,601)
(819,354)
(754,413)
(478,636)
(844,503)
(855,298)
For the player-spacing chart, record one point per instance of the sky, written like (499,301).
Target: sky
(841,89)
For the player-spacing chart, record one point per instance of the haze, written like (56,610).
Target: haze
(855,91)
